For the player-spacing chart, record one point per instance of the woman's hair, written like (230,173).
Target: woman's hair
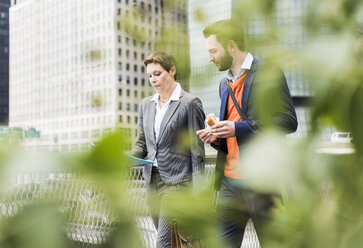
(166,60)
(226,30)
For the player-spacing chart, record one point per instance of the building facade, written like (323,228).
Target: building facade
(76,70)
(4,61)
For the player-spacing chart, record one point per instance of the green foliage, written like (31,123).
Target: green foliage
(36,226)
(321,196)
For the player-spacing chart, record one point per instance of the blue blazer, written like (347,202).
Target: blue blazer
(284,117)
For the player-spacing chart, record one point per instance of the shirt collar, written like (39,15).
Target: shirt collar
(246,65)
(174,97)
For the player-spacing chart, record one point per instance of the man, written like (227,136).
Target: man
(236,203)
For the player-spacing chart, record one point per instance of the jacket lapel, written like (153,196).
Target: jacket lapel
(224,98)
(150,118)
(173,105)
(248,83)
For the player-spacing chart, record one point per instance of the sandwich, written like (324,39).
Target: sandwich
(211,120)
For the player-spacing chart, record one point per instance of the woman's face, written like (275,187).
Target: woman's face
(160,79)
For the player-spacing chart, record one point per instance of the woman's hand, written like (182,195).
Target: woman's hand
(207,136)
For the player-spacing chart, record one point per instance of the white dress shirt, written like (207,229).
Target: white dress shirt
(246,65)
(160,111)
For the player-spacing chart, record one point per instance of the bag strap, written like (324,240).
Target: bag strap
(239,110)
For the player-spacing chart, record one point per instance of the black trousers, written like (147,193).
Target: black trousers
(235,206)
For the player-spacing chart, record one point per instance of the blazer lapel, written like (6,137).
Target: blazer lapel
(248,83)
(150,118)
(173,105)
(224,99)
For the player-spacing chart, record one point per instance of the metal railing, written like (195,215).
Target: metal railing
(89,217)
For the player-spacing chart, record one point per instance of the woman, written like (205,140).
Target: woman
(166,119)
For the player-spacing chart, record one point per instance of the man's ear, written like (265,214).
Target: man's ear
(231,46)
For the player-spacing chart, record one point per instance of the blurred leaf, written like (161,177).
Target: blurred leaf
(37,226)
(356,117)
(107,156)
(200,15)
(194,211)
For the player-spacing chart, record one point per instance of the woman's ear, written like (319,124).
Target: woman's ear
(172,71)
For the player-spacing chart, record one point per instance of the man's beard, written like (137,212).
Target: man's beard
(225,62)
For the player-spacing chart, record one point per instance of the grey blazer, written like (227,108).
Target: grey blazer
(179,152)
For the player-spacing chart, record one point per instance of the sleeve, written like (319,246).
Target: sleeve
(139,149)
(282,116)
(196,119)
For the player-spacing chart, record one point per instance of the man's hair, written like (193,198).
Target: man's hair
(226,30)
(166,60)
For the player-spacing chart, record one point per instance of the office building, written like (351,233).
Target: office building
(76,70)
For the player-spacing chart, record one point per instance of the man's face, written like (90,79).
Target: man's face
(218,54)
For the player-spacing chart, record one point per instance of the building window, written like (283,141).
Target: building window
(127,40)
(119,52)
(135,81)
(134,41)
(84,134)
(135,119)
(127,53)
(120,106)
(95,133)
(128,119)
(120,67)
(120,119)
(128,93)
(119,38)
(128,79)
(135,68)
(135,55)
(127,67)
(136,108)
(143,81)
(135,93)
(120,92)
(142,69)
(120,78)
(128,106)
